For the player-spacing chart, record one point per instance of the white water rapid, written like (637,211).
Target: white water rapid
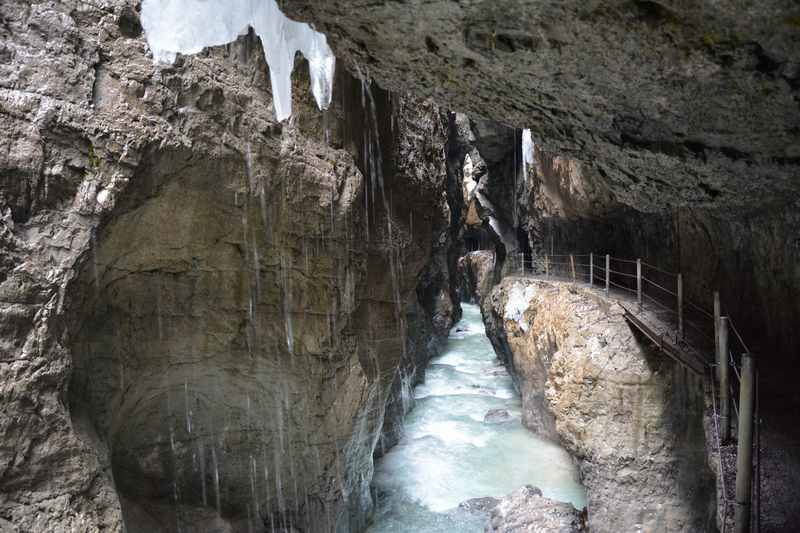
(449,453)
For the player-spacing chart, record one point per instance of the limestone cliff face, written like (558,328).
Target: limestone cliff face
(631,417)
(477,271)
(751,256)
(681,117)
(204,311)
(639,90)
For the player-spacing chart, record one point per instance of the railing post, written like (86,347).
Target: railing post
(724,387)
(639,282)
(716,329)
(608,271)
(744,450)
(680,306)
(591,269)
(547,265)
(572,264)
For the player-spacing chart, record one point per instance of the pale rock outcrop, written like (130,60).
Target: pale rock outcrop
(630,416)
(526,511)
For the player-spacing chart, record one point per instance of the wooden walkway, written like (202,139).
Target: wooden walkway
(649,320)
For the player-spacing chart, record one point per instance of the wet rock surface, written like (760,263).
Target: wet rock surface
(526,510)
(477,270)
(639,91)
(479,504)
(631,417)
(496,416)
(202,313)
(681,119)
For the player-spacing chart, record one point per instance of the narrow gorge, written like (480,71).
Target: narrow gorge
(435,266)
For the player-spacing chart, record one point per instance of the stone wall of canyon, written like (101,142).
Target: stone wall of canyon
(204,311)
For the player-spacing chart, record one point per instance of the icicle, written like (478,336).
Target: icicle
(527,159)
(187,407)
(188,26)
(215,464)
(253,475)
(202,452)
(527,147)
(287,303)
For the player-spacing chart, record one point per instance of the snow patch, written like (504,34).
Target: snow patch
(103,197)
(189,26)
(519,299)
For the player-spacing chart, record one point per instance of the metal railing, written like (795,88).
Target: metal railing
(659,297)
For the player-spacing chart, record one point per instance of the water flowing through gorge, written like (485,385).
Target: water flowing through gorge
(463,439)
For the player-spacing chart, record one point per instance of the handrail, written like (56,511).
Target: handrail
(704,326)
(735,331)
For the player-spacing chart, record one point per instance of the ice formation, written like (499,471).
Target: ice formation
(519,299)
(527,147)
(188,26)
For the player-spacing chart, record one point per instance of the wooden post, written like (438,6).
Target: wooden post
(639,282)
(608,271)
(572,264)
(591,269)
(680,306)
(744,451)
(716,329)
(724,386)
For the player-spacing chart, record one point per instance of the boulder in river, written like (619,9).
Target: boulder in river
(526,509)
(480,505)
(496,416)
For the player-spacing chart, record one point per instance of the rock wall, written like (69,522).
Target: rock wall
(204,311)
(683,117)
(477,271)
(639,90)
(750,255)
(631,417)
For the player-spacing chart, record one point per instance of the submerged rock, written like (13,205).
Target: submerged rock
(485,504)
(495,416)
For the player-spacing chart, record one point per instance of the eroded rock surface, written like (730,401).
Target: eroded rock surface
(204,311)
(477,271)
(631,417)
(526,510)
(668,102)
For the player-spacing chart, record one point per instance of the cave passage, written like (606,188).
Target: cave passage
(463,439)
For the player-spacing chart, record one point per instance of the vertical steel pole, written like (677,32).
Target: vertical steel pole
(717,314)
(680,306)
(639,282)
(724,386)
(572,264)
(757,385)
(591,269)
(547,265)
(744,451)
(608,271)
